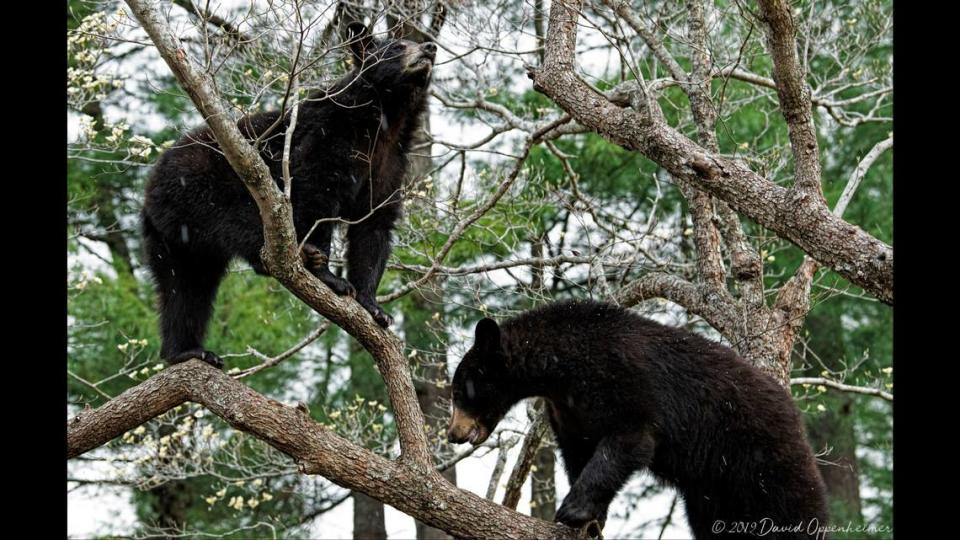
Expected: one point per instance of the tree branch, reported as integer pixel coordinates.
(528, 450)
(719, 312)
(212, 19)
(858, 174)
(417, 491)
(623, 9)
(706, 236)
(794, 94)
(843, 387)
(796, 216)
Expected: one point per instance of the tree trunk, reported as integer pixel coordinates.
(423, 332)
(833, 428)
(543, 489)
(368, 521)
(169, 501)
(368, 513)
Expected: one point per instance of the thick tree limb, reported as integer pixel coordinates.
(719, 311)
(799, 217)
(705, 233)
(418, 491)
(794, 94)
(793, 300)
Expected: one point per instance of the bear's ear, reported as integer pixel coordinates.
(361, 42)
(487, 336)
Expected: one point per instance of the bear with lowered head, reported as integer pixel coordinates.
(348, 158)
(626, 394)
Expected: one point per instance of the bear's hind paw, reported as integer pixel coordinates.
(201, 354)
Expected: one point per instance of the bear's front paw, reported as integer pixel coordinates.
(576, 514)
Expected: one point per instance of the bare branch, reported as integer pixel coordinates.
(624, 10)
(858, 174)
(843, 387)
(212, 19)
(498, 468)
(268, 361)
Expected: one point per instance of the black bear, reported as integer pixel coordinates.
(347, 162)
(624, 394)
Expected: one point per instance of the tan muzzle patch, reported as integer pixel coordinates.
(419, 57)
(465, 428)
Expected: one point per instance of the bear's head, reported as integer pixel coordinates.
(479, 397)
(391, 63)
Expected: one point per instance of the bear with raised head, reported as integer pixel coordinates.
(627, 394)
(347, 162)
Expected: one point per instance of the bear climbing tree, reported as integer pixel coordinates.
(348, 159)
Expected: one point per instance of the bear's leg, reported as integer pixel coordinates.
(186, 285)
(366, 259)
(576, 452)
(614, 460)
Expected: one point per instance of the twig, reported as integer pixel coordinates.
(843, 387)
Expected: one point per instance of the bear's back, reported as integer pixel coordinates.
(592, 327)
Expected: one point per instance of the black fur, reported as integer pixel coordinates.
(625, 393)
(348, 159)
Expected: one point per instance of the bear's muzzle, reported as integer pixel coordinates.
(465, 428)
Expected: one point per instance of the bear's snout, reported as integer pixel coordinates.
(419, 58)
(465, 428)
(429, 50)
